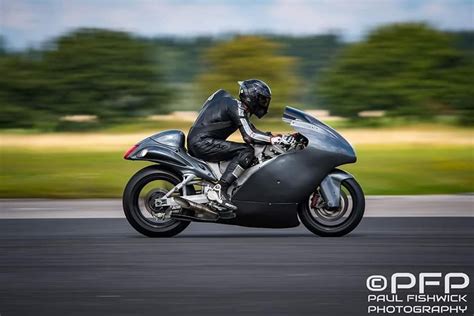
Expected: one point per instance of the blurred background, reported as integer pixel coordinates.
(81, 81)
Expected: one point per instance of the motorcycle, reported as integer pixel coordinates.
(286, 184)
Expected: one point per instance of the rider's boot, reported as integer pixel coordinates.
(219, 194)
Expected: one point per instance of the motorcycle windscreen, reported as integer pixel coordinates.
(292, 114)
(319, 135)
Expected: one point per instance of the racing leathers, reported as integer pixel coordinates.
(220, 116)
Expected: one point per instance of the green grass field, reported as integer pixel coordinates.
(394, 169)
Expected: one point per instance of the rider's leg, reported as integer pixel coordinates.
(235, 168)
(215, 150)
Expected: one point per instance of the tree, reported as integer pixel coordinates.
(405, 69)
(105, 73)
(178, 56)
(89, 71)
(3, 45)
(246, 57)
(21, 89)
(314, 52)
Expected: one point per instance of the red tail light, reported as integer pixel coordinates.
(129, 151)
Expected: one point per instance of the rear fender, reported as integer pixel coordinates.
(330, 187)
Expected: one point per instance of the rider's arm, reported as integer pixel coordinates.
(256, 129)
(249, 133)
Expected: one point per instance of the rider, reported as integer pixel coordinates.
(220, 116)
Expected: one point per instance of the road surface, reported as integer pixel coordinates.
(103, 267)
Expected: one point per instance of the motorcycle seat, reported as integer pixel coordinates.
(173, 138)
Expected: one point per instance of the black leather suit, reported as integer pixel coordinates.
(220, 116)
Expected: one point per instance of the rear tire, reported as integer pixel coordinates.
(131, 204)
(316, 226)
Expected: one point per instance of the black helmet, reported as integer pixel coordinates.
(256, 95)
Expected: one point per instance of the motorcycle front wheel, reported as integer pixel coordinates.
(326, 222)
(146, 186)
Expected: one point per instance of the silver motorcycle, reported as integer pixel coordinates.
(287, 183)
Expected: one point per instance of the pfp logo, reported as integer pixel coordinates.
(407, 293)
(405, 280)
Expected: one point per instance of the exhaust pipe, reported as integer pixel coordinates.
(190, 205)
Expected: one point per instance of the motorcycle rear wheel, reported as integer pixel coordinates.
(335, 223)
(136, 206)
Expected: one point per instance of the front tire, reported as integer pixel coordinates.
(335, 223)
(136, 206)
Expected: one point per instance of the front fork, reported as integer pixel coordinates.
(330, 187)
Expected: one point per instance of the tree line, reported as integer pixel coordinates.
(406, 69)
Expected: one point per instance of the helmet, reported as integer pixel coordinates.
(256, 95)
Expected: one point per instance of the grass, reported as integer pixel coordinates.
(414, 169)
(394, 169)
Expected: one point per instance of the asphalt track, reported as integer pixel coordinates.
(103, 267)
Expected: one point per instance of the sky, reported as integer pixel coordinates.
(25, 23)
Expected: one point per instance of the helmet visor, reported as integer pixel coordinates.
(262, 105)
(263, 101)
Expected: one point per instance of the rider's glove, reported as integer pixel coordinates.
(288, 140)
(276, 140)
(285, 140)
